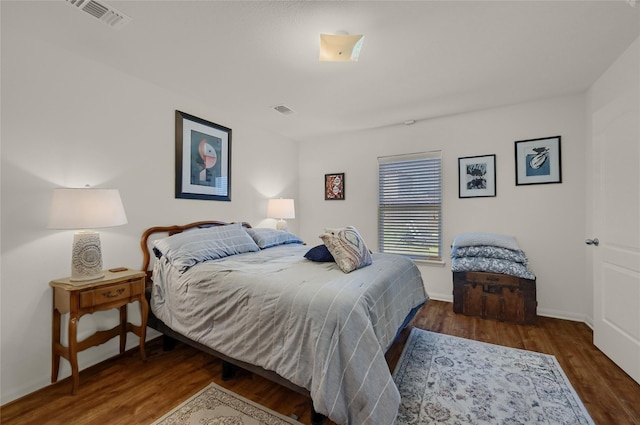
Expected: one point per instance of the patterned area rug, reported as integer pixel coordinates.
(448, 380)
(215, 405)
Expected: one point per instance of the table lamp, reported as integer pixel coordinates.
(86, 209)
(281, 209)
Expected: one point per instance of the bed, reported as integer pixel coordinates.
(307, 325)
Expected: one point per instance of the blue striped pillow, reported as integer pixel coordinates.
(186, 249)
(266, 238)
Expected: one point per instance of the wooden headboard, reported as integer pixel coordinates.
(163, 231)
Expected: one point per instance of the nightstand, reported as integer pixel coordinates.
(114, 290)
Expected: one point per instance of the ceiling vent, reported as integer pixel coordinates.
(283, 109)
(106, 14)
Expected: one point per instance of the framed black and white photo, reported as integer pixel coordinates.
(203, 159)
(538, 161)
(477, 176)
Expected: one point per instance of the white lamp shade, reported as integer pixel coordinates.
(86, 209)
(281, 208)
(340, 47)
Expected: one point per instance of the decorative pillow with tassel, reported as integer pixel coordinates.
(347, 247)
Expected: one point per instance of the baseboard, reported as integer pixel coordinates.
(448, 298)
(574, 317)
(85, 360)
(546, 312)
(23, 390)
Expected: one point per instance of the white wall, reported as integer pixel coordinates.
(621, 78)
(547, 220)
(67, 122)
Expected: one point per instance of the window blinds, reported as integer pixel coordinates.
(409, 205)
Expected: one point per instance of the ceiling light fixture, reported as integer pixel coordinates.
(340, 47)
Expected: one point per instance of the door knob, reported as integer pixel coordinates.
(593, 241)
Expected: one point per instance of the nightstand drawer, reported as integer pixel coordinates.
(105, 295)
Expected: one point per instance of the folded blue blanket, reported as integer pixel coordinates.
(514, 255)
(491, 265)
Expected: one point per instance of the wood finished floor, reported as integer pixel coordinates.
(126, 390)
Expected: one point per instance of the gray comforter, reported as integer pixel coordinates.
(314, 325)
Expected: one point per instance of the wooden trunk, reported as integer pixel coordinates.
(495, 296)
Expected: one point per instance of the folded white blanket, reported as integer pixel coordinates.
(492, 239)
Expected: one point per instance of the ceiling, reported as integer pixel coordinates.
(419, 60)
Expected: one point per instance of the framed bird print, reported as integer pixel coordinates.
(538, 161)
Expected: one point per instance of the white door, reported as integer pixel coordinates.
(616, 266)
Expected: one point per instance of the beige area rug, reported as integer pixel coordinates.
(215, 405)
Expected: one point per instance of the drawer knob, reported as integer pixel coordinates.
(109, 294)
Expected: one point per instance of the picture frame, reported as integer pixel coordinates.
(538, 161)
(334, 186)
(203, 159)
(477, 176)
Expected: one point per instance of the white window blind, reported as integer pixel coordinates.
(409, 205)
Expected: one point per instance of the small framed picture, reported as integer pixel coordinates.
(334, 187)
(477, 176)
(203, 159)
(538, 161)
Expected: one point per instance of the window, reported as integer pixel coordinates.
(410, 205)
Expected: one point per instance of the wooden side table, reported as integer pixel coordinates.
(114, 290)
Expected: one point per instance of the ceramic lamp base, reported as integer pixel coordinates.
(281, 224)
(86, 257)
